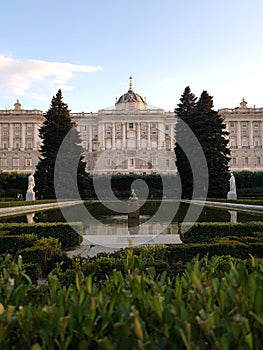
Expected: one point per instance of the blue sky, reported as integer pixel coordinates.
(90, 48)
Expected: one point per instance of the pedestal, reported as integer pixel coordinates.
(30, 196)
(133, 209)
(231, 195)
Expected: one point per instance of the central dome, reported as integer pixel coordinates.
(130, 97)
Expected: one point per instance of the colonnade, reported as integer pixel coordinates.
(156, 136)
(9, 136)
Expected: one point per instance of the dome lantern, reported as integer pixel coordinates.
(130, 99)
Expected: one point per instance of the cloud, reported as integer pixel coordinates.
(19, 76)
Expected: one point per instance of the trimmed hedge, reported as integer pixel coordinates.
(204, 232)
(69, 234)
(171, 258)
(12, 243)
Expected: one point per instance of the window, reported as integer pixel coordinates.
(5, 145)
(130, 125)
(3, 162)
(17, 145)
(153, 125)
(234, 161)
(232, 125)
(29, 145)
(83, 128)
(28, 162)
(244, 124)
(29, 126)
(15, 162)
(167, 162)
(258, 160)
(166, 127)
(246, 160)
(17, 126)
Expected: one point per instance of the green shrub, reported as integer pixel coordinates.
(41, 253)
(11, 243)
(203, 232)
(137, 309)
(69, 234)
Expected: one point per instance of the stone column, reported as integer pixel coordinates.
(123, 135)
(11, 136)
(0, 136)
(23, 136)
(250, 134)
(90, 139)
(172, 137)
(103, 136)
(148, 136)
(239, 135)
(35, 136)
(113, 137)
(138, 136)
(161, 135)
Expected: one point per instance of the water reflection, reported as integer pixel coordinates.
(30, 218)
(121, 225)
(233, 216)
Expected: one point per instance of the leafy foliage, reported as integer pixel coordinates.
(214, 304)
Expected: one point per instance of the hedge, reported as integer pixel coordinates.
(171, 258)
(12, 243)
(203, 232)
(69, 234)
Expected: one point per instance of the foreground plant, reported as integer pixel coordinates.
(206, 307)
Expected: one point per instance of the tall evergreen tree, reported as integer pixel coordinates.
(56, 126)
(212, 136)
(184, 113)
(209, 130)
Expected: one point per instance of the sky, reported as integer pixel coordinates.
(88, 49)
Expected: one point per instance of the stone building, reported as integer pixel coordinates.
(245, 126)
(128, 138)
(19, 140)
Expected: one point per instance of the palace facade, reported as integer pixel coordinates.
(245, 127)
(130, 137)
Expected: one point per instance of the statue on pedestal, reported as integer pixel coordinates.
(30, 194)
(133, 206)
(232, 194)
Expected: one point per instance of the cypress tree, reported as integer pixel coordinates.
(211, 133)
(209, 129)
(56, 126)
(184, 113)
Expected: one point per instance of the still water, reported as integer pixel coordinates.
(155, 217)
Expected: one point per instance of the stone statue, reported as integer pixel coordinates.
(31, 183)
(232, 183)
(30, 194)
(133, 196)
(232, 194)
(133, 206)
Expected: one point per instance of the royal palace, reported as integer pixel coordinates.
(130, 137)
